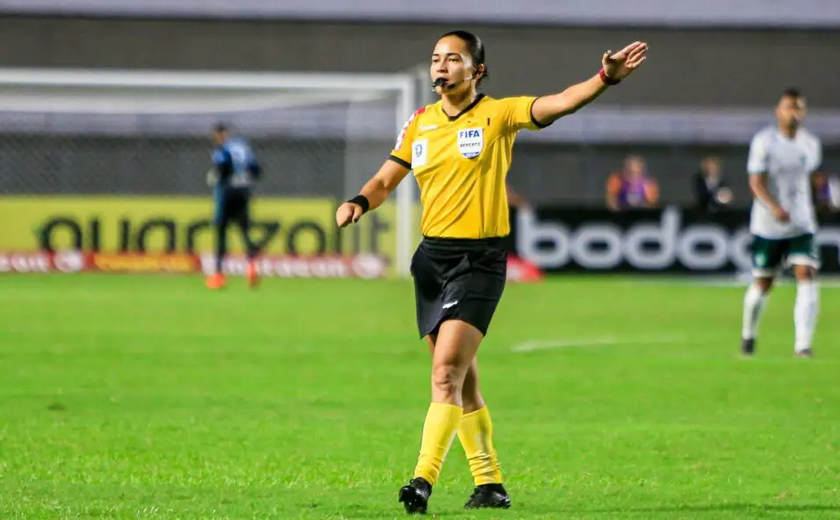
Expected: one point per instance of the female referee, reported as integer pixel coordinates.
(460, 151)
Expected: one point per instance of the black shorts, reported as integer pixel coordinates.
(459, 279)
(232, 205)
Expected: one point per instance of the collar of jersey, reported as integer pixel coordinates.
(465, 110)
(782, 135)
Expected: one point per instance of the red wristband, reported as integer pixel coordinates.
(606, 79)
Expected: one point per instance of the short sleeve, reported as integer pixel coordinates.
(758, 162)
(817, 155)
(221, 156)
(517, 114)
(613, 184)
(402, 148)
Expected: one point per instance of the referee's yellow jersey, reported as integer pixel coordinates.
(461, 163)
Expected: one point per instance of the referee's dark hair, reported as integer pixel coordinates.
(475, 47)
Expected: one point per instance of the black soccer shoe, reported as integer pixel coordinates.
(415, 496)
(491, 496)
(748, 346)
(807, 353)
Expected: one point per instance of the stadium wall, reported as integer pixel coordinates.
(693, 67)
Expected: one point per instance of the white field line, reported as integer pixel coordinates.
(831, 282)
(596, 341)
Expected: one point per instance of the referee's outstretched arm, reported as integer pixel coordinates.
(547, 109)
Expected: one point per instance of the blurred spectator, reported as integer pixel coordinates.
(515, 199)
(519, 269)
(711, 192)
(826, 192)
(632, 187)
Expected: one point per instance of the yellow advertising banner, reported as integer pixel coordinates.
(160, 224)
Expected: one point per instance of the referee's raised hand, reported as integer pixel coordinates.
(619, 65)
(348, 213)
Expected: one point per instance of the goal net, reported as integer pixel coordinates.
(116, 161)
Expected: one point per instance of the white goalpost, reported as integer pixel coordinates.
(326, 133)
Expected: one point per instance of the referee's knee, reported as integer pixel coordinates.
(447, 382)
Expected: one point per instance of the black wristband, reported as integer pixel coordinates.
(362, 201)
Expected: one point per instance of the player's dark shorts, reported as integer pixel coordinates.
(459, 279)
(232, 205)
(771, 254)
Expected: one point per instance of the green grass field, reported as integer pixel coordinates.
(150, 397)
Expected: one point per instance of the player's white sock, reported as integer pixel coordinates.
(805, 312)
(753, 305)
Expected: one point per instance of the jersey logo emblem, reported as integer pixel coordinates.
(470, 142)
(419, 152)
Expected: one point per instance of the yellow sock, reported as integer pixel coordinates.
(442, 422)
(476, 436)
